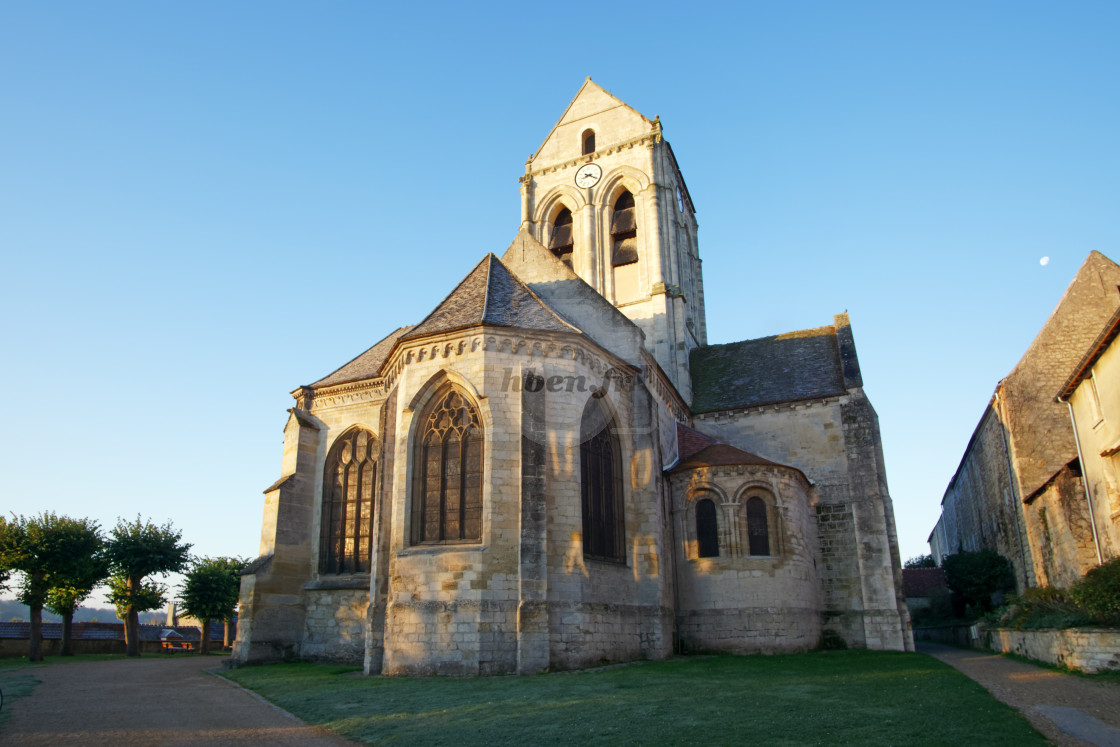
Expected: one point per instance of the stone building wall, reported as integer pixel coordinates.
(834, 441)
(981, 509)
(735, 601)
(1096, 407)
(1034, 511)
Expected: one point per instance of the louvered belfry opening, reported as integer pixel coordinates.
(624, 232)
(758, 531)
(562, 243)
(588, 142)
(707, 529)
(600, 464)
(447, 498)
(349, 480)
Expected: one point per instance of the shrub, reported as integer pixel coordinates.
(920, 561)
(1099, 592)
(1040, 608)
(976, 576)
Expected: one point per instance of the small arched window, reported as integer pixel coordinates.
(562, 243)
(588, 140)
(707, 530)
(348, 485)
(758, 531)
(624, 232)
(447, 482)
(600, 464)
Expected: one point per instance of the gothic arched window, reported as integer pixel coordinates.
(600, 464)
(588, 142)
(447, 483)
(624, 232)
(707, 531)
(758, 531)
(349, 478)
(562, 242)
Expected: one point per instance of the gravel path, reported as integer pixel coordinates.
(149, 701)
(1068, 710)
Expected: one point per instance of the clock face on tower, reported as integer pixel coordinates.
(588, 175)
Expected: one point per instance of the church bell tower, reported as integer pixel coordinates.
(605, 195)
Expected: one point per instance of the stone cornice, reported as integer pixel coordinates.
(800, 404)
(658, 383)
(534, 344)
(370, 390)
(651, 137)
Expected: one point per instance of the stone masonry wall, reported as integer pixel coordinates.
(980, 508)
(336, 622)
(737, 602)
(1060, 533)
(1088, 649)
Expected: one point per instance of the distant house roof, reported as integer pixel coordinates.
(770, 370)
(366, 365)
(490, 295)
(922, 582)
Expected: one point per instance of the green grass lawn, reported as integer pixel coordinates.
(838, 697)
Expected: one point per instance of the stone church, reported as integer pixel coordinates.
(554, 469)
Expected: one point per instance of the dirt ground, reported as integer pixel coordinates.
(1067, 709)
(150, 701)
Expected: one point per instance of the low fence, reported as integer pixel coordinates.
(1088, 649)
(14, 647)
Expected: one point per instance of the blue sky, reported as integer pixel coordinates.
(205, 205)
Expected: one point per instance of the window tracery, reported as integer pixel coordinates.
(447, 486)
(349, 478)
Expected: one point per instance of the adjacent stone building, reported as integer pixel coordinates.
(554, 469)
(1019, 489)
(1092, 393)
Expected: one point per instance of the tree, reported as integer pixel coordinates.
(78, 569)
(210, 593)
(135, 551)
(49, 550)
(976, 576)
(921, 561)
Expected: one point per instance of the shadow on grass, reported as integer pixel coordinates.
(842, 697)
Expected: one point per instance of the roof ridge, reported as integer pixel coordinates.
(538, 299)
(459, 285)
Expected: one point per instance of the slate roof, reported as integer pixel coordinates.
(366, 365)
(1096, 350)
(490, 295)
(781, 368)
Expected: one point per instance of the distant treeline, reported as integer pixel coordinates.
(11, 610)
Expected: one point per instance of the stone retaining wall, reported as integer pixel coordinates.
(1087, 649)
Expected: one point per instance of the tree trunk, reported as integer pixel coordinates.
(227, 634)
(132, 631)
(67, 627)
(204, 642)
(35, 644)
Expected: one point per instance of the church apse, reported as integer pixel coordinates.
(553, 469)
